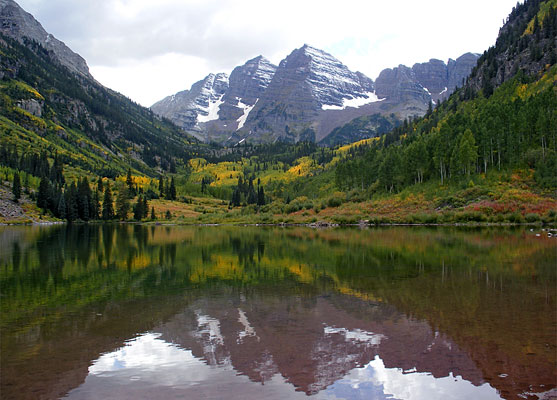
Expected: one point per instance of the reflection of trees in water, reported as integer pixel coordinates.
(16, 255)
(246, 248)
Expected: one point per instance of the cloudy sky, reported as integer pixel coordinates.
(148, 49)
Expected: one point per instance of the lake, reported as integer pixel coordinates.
(170, 312)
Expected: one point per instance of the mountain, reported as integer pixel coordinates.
(310, 92)
(193, 107)
(19, 24)
(50, 103)
(219, 105)
(501, 121)
(307, 97)
(525, 43)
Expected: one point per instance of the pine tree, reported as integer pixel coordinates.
(44, 192)
(138, 209)
(108, 207)
(172, 190)
(71, 202)
(145, 207)
(96, 207)
(260, 196)
(153, 215)
(161, 186)
(129, 183)
(62, 207)
(122, 203)
(16, 187)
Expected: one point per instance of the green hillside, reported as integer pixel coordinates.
(486, 154)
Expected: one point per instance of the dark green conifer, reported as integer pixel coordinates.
(108, 207)
(16, 187)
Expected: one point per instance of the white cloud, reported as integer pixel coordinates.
(128, 43)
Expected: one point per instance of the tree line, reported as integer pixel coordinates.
(503, 131)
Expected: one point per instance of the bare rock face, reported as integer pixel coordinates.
(400, 85)
(459, 69)
(432, 75)
(32, 106)
(216, 107)
(433, 80)
(17, 24)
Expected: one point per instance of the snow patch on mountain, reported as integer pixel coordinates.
(426, 90)
(212, 111)
(355, 102)
(247, 109)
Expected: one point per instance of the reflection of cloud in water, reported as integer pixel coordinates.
(374, 381)
(147, 367)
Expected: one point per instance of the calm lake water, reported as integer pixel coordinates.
(136, 312)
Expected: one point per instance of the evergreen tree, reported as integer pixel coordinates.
(161, 186)
(129, 183)
(62, 207)
(139, 210)
(145, 207)
(96, 205)
(43, 194)
(122, 203)
(84, 199)
(260, 196)
(252, 196)
(236, 198)
(108, 207)
(71, 202)
(153, 215)
(16, 187)
(172, 190)
(100, 185)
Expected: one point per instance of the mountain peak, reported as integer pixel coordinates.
(17, 24)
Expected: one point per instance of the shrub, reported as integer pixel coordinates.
(335, 200)
(423, 218)
(292, 207)
(532, 217)
(515, 218)
(470, 216)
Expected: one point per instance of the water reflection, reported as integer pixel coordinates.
(159, 312)
(148, 367)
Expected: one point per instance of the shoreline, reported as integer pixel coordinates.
(550, 227)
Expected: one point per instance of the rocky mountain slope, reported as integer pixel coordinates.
(49, 102)
(19, 24)
(527, 43)
(307, 96)
(219, 104)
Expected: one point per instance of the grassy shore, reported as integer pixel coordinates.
(505, 198)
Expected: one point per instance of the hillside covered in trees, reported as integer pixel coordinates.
(486, 154)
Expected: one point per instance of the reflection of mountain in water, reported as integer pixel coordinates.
(312, 343)
(295, 306)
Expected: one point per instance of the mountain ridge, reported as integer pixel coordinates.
(310, 93)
